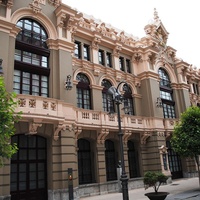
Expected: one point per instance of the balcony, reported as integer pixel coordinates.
(48, 110)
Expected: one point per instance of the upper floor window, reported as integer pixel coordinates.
(195, 88)
(128, 101)
(82, 49)
(31, 73)
(121, 64)
(32, 33)
(105, 58)
(164, 82)
(108, 104)
(109, 59)
(128, 66)
(83, 91)
(166, 94)
(101, 57)
(77, 51)
(124, 64)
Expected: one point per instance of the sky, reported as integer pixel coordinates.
(181, 18)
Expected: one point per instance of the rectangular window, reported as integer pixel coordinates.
(28, 83)
(128, 66)
(108, 59)
(31, 58)
(169, 111)
(121, 64)
(86, 52)
(77, 51)
(101, 57)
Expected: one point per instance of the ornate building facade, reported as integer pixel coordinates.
(61, 63)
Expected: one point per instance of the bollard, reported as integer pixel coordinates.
(119, 173)
(70, 184)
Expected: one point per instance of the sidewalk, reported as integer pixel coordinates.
(187, 188)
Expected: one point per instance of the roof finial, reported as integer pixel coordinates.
(156, 18)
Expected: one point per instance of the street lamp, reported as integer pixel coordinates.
(118, 98)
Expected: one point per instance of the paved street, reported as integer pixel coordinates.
(179, 189)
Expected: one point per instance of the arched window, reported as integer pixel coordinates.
(108, 104)
(31, 70)
(128, 101)
(84, 162)
(83, 91)
(133, 160)
(111, 165)
(166, 94)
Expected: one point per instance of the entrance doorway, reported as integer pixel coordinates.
(174, 162)
(29, 169)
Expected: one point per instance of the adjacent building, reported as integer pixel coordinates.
(61, 63)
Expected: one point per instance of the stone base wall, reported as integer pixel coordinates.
(94, 189)
(7, 197)
(190, 174)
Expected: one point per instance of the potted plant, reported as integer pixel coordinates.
(155, 179)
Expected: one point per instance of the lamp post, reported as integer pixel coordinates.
(118, 98)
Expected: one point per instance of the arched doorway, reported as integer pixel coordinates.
(111, 165)
(29, 169)
(174, 162)
(133, 160)
(85, 169)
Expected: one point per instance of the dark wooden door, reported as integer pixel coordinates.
(28, 169)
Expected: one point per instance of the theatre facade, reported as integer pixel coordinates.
(60, 63)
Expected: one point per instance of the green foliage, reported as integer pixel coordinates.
(7, 119)
(186, 135)
(154, 179)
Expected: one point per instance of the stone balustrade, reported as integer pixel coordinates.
(53, 110)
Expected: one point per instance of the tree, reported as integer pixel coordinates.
(186, 136)
(7, 119)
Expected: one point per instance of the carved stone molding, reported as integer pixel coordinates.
(77, 131)
(32, 103)
(55, 3)
(160, 133)
(35, 6)
(95, 43)
(168, 134)
(126, 136)
(33, 126)
(163, 149)
(117, 50)
(137, 57)
(58, 128)
(8, 3)
(102, 135)
(144, 136)
(22, 102)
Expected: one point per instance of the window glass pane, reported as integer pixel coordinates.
(17, 55)
(26, 57)
(41, 154)
(35, 59)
